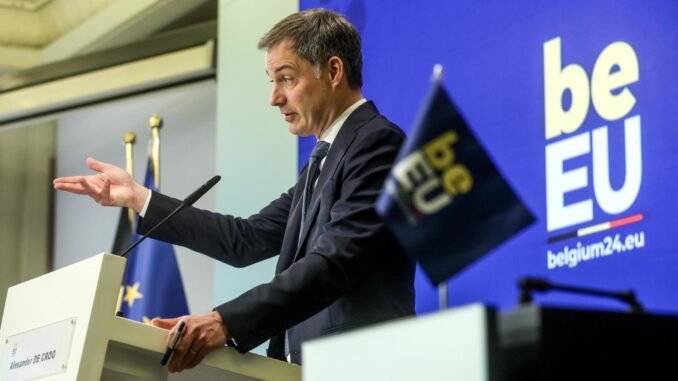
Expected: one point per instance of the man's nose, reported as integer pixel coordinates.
(277, 98)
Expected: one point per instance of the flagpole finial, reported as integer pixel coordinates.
(155, 121)
(437, 73)
(129, 137)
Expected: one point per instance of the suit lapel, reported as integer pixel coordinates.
(342, 142)
(289, 246)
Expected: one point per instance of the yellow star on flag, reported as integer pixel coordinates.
(132, 293)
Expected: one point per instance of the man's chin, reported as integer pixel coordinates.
(296, 130)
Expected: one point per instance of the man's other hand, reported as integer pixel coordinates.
(202, 335)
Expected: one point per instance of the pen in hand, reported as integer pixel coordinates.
(173, 343)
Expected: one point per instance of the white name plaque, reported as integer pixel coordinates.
(37, 353)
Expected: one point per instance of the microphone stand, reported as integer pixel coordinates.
(188, 201)
(175, 211)
(529, 284)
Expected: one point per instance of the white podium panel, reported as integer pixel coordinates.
(62, 326)
(449, 345)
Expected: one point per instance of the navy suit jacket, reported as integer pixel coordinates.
(348, 270)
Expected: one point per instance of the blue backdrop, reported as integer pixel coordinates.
(611, 162)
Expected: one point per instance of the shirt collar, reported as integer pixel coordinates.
(331, 133)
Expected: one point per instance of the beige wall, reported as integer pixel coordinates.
(256, 155)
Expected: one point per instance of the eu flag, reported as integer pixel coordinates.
(445, 200)
(152, 284)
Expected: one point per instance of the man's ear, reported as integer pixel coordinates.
(335, 69)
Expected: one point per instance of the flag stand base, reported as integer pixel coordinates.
(442, 296)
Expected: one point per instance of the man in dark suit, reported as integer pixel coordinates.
(338, 267)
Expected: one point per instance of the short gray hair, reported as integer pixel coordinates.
(317, 35)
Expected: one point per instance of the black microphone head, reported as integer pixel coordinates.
(193, 197)
(534, 283)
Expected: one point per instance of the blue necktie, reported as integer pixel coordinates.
(317, 155)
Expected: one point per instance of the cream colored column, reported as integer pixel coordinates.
(26, 157)
(256, 155)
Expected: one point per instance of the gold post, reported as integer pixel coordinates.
(155, 123)
(130, 138)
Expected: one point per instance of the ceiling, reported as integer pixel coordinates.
(36, 32)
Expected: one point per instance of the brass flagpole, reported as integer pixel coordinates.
(130, 139)
(155, 123)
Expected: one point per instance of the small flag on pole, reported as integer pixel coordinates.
(445, 200)
(152, 284)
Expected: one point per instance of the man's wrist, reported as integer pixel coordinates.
(228, 339)
(141, 198)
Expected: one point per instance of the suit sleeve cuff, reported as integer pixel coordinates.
(142, 213)
(231, 341)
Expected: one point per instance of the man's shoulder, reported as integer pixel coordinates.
(381, 128)
(384, 123)
(370, 121)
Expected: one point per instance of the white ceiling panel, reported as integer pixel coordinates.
(36, 32)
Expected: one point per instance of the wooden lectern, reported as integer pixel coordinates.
(62, 326)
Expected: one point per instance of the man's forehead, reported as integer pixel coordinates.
(277, 65)
(282, 56)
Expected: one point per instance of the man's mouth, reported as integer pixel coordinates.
(289, 116)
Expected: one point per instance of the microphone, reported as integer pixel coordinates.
(529, 284)
(188, 201)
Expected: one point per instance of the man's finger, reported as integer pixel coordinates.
(166, 323)
(170, 324)
(177, 363)
(72, 188)
(189, 355)
(97, 165)
(197, 358)
(93, 193)
(106, 192)
(68, 179)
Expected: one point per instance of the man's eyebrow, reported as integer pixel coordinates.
(280, 68)
(283, 67)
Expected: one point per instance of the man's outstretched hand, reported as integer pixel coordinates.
(111, 186)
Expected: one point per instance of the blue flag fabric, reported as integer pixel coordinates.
(152, 284)
(445, 200)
